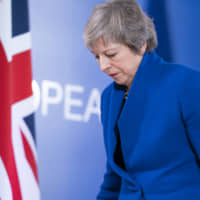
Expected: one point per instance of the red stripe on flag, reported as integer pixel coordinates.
(21, 76)
(29, 156)
(6, 148)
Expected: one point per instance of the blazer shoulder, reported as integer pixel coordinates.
(171, 79)
(179, 68)
(191, 80)
(178, 73)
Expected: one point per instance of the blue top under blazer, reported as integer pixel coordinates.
(159, 128)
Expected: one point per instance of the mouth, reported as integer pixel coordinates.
(113, 75)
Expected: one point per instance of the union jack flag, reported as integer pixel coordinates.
(18, 157)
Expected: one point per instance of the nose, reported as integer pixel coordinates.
(104, 63)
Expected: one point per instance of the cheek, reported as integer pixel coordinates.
(119, 65)
(124, 67)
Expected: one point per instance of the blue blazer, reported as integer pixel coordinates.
(159, 128)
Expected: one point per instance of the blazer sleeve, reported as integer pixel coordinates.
(110, 187)
(190, 105)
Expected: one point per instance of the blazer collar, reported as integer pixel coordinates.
(132, 115)
(134, 108)
(116, 99)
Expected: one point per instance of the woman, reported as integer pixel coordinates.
(150, 113)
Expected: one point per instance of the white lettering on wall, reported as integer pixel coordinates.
(75, 108)
(36, 94)
(70, 102)
(46, 98)
(93, 105)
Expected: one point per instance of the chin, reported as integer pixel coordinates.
(120, 83)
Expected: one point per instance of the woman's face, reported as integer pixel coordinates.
(118, 61)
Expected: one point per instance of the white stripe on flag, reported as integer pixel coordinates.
(28, 184)
(5, 189)
(21, 43)
(6, 27)
(29, 138)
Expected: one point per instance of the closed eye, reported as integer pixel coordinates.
(108, 55)
(111, 55)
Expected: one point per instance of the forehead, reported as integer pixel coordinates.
(102, 46)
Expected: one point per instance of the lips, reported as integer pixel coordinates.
(113, 75)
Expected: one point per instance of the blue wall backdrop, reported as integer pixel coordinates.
(68, 84)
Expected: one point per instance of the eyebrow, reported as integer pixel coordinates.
(109, 49)
(112, 48)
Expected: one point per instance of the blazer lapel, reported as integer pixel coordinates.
(117, 96)
(116, 100)
(131, 118)
(132, 115)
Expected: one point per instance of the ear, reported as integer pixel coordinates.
(143, 48)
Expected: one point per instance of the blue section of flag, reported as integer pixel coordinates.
(20, 23)
(30, 122)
